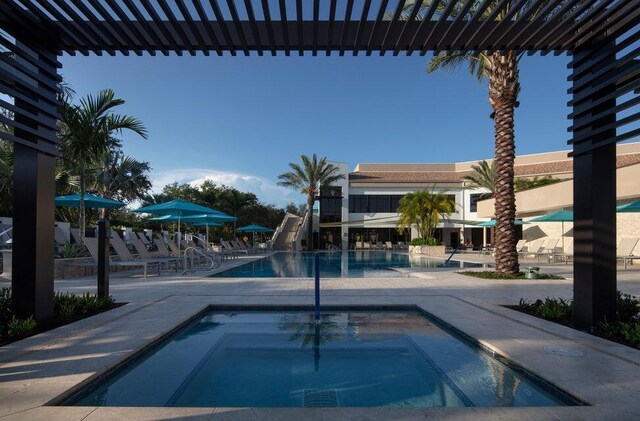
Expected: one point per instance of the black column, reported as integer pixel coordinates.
(33, 233)
(594, 197)
(34, 89)
(103, 258)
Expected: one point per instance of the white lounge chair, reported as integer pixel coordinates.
(548, 249)
(624, 251)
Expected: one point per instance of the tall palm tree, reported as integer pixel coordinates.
(310, 178)
(87, 135)
(121, 178)
(500, 68)
(424, 209)
(483, 176)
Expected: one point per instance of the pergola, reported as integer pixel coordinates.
(602, 36)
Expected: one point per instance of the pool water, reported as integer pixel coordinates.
(345, 264)
(284, 359)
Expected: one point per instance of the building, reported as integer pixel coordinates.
(363, 206)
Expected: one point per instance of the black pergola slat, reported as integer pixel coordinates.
(299, 27)
(173, 22)
(254, 28)
(345, 26)
(124, 39)
(267, 17)
(225, 29)
(376, 24)
(363, 19)
(236, 23)
(332, 19)
(215, 44)
(284, 27)
(200, 42)
(394, 20)
(158, 22)
(316, 17)
(136, 37)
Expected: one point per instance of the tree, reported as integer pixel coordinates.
(482, 176)
(531, 183)
(500, 68)
(87, 135)
(310, 178)
(299, 209)
(122, 178)
(424, 209)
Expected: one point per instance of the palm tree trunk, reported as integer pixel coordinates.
(503, 93)
(310, 202)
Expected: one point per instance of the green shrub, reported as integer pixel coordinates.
(69, 251)
(491, 274)
(423, 242)
(628, 307)
(66, 305)
(555, 309)
(631, 333)
(18, 328)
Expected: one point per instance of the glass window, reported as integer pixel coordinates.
(358, 203)
(379, 203)
(473, 202)
(395, 202)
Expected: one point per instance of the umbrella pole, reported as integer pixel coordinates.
(563, 236)
(179, 236)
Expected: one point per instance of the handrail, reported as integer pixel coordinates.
(189, 253)
(454, 252)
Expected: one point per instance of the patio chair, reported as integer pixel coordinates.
(144, 253)
(548, 249)
(143, 237)
(359, 245)
(520, 245)
(75, 234)
(60, 238)
(367, 246)
(565, 255)
(127, 259)
(163, 250)
(624, 251)
(92, 245)
(388, 245)
(533, 248)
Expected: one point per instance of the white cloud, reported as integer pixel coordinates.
(265, 190)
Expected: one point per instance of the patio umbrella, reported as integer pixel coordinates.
(177, 208)
(253, 229)
(207, 224)
(90, 201)
(557, 216)
(629, 207)
(492, 223)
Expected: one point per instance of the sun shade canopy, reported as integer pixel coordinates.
(90, 202)
(319, 26)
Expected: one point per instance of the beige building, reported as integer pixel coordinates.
(363, 207)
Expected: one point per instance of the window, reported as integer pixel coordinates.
(379, 203)
(473, 202)
(358, 203)
(395, 202)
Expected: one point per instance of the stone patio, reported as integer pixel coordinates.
(37, 370)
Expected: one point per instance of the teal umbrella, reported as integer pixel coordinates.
(492, 223)
(207, 224)
(177, 208)
(253, 229)
(557, 216)
(90, 201)
(629, 207)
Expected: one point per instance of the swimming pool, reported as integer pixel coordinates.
(345, 264)
(354, 358)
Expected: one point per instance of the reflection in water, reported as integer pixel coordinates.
(506, 384)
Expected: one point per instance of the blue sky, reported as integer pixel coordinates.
(240, 120)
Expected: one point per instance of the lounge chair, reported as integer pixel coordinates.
(144, 253)
(127, 259)
(624, 251)
(92, 245)
(548, 249)
(532, 248)
(520, 245)
(565, 255)
(60, 237)
(388, 245)
(359, 245)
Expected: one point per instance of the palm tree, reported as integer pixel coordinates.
(121, 178)
(87, 135)
(424, 209)
(310, 178)
(501, 70)
(482, 176)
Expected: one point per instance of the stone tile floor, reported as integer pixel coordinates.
(37, 370)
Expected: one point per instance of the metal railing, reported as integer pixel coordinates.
(195, 259)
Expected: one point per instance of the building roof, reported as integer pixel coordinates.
(553, 168)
